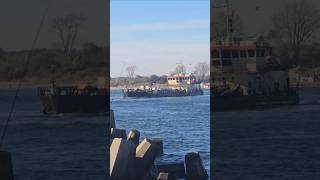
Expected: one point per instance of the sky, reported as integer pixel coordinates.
(156, 35)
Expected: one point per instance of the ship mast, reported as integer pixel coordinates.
(229, 20)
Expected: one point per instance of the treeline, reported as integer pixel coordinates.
(144, 80)
(87, 62)
(138, 80)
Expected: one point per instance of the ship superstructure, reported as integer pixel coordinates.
(246, 73)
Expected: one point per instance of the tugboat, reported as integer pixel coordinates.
(73, 100)
(180, 84)
(246, 74)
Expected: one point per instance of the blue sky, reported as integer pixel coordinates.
(154, 35)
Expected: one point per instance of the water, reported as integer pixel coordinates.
(52, 147)
(278, 143)
(182, 122)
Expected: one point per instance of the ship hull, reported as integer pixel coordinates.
(222, 103)
(153, 94)
(68, 104)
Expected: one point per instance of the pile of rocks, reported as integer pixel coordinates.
(131, 159)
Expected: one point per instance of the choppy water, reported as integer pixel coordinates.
(270, 144)
(52, 147)
(182, 122)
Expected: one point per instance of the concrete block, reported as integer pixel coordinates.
(112, 119)
(122, 160)
(194, 167)
(118, 133)
(166, 176)
(175, 168)
(134, 136)
(6, 169)
(145, 155)
(158, 142)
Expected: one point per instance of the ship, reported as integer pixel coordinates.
(73, 99)
(178, 85)
(245, 73)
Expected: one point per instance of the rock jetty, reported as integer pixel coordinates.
(132, 159)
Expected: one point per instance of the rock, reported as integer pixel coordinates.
(159, 143)
(134, 136)
(145, 155)
(111, 119)
(166, 176)
(175, 168)
(6, 169)
(122, 160)
(194, 167)
(118, 133)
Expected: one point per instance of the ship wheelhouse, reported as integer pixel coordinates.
(240, 56)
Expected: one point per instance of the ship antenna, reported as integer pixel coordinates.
(229, 19)
(25, 70)
(229, 22)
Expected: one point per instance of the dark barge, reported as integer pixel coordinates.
(178, 85)
(73, 100)
(161, 93)
(236, 102)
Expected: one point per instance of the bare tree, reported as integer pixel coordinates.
(131, 71)
(67, 29)
(180, 68)
(296, 22)
(201, 70)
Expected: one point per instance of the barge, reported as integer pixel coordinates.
(73, 100)
(181, 84)
(245, 73)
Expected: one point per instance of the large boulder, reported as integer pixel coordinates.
(174, 168)
(118, 133)
(194, 167)
(122, 160)
(166, 176)
(112, 122)
(158, 142)
(146, 153)
(6, 170)
(134, 136)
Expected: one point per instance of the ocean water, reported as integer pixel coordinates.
(268, 144)
(52, 147)
(183, 123)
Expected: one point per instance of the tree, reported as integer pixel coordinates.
(154, 78)
(201, 70)
(296, 22)
(67, 29)
(180, 68)
(131, 71)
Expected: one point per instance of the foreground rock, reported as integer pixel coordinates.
(177, 169)
(134, 136)
(166, 176)
(122, 160)
(6, 170)
(194, 167)
(146, 153)
(118, 133)
(159, 143)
